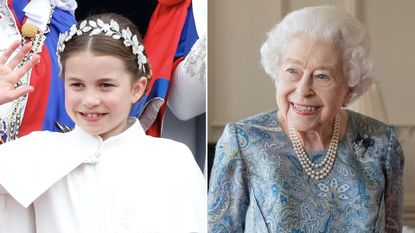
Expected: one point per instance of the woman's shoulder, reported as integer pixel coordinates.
(367, 125)
(251, 132)
(265, 120)
(369, 131)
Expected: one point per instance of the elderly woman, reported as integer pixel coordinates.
(310, 166)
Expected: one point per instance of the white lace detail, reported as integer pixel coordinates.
(195, 61)
(67, 5)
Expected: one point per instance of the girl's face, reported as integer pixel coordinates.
(99, 92)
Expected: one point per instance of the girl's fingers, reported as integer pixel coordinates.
(9, 52)
(21, 91)
(20, 55)
(26, 67)
(16, 93)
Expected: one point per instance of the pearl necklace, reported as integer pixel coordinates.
(320, 170)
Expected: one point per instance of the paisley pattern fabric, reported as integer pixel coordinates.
(258, 185)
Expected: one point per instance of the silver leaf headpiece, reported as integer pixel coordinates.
(112, 29)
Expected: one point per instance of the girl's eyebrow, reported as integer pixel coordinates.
(99, 80)
(106, 79)
(73, 79)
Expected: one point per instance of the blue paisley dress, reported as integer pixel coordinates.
(258, 185)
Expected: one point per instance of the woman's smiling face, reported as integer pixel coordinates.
(311, 87)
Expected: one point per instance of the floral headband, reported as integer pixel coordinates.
(113, 30)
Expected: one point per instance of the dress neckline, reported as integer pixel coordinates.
(313, 154)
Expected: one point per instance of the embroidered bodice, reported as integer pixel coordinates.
(258, 185)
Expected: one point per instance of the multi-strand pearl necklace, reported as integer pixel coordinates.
(320, 170)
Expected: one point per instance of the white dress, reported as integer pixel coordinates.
(128, 183)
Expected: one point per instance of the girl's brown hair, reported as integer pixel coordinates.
(107, 45)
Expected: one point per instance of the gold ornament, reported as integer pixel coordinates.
(29, 30)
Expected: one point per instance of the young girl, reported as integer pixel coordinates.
(105, 175)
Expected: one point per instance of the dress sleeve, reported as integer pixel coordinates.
(228, 197)
(188, 89)
(394, 185)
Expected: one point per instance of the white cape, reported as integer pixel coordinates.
(128, 183)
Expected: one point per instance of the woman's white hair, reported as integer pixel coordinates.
(330, 24)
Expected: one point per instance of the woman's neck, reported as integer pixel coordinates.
(318, 139)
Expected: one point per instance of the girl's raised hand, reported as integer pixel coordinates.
(9, 76)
